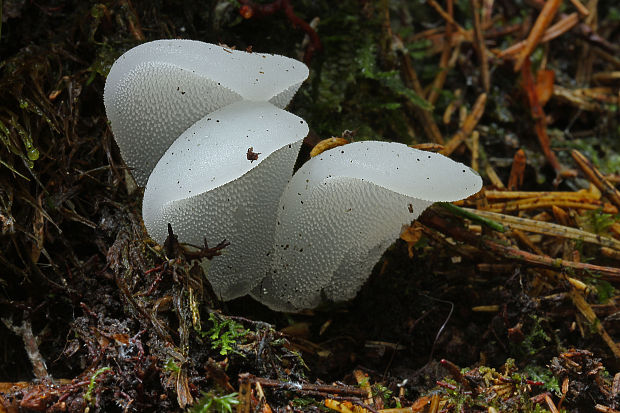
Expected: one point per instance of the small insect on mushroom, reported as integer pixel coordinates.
(252, 156)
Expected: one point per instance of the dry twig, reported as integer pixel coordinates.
(468, 126)
(596, 177)
(542, 22)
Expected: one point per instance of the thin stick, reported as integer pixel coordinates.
(468, 126)
(440, 79)
(473, 215)
(526, 205)
(583, 10)
(31, 346)
(596, 177)
(580, 195)
(448, 18)
(607, 273)
(475, 151)
(539, 115)
(305, 387)
(585, 309)
(425, 116)
(493, 177)
(542, 22)
(547, 228)
(480, 47)
(551, 33)
(519, 161)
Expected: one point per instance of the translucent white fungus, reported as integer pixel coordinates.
(343, 208)
(205, 126)
(158, 89)
(206, 187)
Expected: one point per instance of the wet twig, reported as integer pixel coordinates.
(324, 389)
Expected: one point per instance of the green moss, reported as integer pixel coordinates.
(544, 375)
(224, 334)
(599, 222)
(210, 402)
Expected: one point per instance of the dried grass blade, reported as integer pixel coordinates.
(580, 195)
(547, 228)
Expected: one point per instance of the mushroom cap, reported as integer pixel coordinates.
(207, 188)
(343, 208)
(158, 89)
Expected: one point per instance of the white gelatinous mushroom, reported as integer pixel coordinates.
(158, 89)
(188, 114)
(206, 187)
(204, 125)
(343, 208)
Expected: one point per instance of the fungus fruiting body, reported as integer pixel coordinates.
(157, 90)
(343, 208)
(204, 185)
(204, 128)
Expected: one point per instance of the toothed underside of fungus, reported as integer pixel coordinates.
(157, 90)
(205, 186)
(206, 123)
(342, 209)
